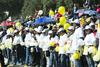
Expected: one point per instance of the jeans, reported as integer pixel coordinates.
(8, 54)
(67, 61)
(78, 63)
(90, 61)
(53, 59)
(28, 59)
(62, 60)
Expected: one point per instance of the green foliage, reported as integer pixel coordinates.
(27, 8)
(12, 6)
(68, 3)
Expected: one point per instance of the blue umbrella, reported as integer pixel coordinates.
(80, 11)
(43, 20)
(90, 12)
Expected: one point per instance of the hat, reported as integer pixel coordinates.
(40, 28)
(44, 30)
(50, 32)
(77, 21)
(60, 30)
(26, 28)
(71, 28)
(87, 27)
(15, 31)
(91, 24)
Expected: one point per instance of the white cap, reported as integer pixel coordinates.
(35, 29)
(87, 27)
(26, 28)
(40, 28)
(91, 24)
(71, 28)
(44, 30)
(15, 31)
(77, 21)
(50, 32)
(61, 29)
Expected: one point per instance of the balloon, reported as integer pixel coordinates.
(62, 20)
(57, 48)
(61, 10)
(18, 24)
(82, 22)
(76, 55)
(51, 13)
(52, 44)
(11, 30)
(66, 26)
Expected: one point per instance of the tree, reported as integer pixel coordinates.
(12, 6)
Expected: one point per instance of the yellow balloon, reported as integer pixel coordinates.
(82, 22)
(61, 10)
(18, 24)
(66, 26)
(51, 13)
(62, 20)
(52, 43)
(57, 48)
(76, 55)
(11, 30)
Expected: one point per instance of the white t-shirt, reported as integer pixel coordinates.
(28, 39)
(17, 40)
(90, 39)
(63, 39)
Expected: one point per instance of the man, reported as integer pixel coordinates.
(28, 38)
(17, 49)
(62, 42)
(53, 40)
(76, 39)
(8, 44)
(90, 41)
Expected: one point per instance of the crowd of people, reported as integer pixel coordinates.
(72, 41)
